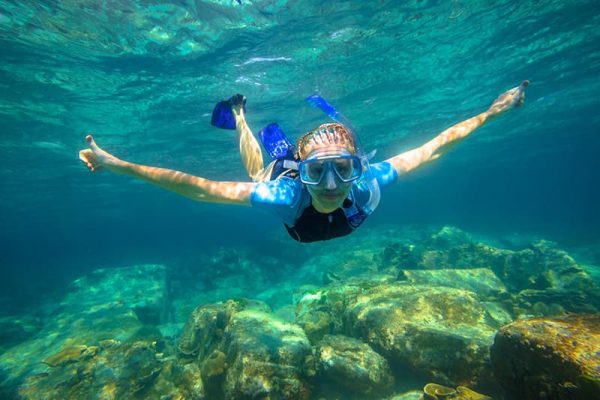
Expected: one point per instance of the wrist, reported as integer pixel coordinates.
(114, 164)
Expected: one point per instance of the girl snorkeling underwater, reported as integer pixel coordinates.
(322, 188)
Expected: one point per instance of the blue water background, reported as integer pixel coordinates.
(143, 77)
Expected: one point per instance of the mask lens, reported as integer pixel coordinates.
(314, 170)
(343, 167)
(346, 168)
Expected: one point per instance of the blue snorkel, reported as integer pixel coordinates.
(367, 178)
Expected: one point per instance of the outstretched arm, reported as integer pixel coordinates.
(194, 187)
(410, 160)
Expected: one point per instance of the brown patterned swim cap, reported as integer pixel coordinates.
(325, 136)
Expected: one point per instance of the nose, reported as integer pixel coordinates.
(330, 180)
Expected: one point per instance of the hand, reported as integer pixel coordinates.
(95, 158)
(514, 97)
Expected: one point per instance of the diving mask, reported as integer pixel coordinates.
(347, 167)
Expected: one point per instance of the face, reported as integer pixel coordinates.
(330, 193)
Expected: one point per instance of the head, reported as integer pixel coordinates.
(328, 165)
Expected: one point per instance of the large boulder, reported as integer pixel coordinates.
(482, 281)
(265, 358)
(321, 311)
(205, 328)
(353, 366)
(543, 266)
(549, 358)
(245, 352)
(442, 333)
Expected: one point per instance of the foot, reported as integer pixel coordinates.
(514, 97)
(95, 158)
(238, 106)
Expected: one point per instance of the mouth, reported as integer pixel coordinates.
(330, 195)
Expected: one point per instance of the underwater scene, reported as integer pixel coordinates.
(422, 222)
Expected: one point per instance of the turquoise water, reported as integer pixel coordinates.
(143, 78)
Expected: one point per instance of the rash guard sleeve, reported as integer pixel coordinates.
(384, 173)
(283, 197)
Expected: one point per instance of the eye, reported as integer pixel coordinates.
(343, 167)
(315, 170)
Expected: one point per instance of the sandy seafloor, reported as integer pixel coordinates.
(480, 270)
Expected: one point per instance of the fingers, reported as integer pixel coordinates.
(84, 156)
(91, 142)
(524, 84)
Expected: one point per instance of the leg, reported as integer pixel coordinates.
(249, 147)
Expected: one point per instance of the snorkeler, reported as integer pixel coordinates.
(322, 188)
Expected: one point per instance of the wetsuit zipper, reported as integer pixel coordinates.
(329, 221)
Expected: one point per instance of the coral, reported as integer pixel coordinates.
(433, 391)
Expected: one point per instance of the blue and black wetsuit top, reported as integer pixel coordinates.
(289, 199)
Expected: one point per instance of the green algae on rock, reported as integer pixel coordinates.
(431, 329)
(246, 352)
(205, 328)
(554, 358)
(321, 312)
(482, 281)
(412, 395)
(103, 305)
(352, 366)
(266, 358)
(113, 370)
(70, 354)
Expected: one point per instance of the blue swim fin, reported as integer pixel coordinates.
(276, 143)
(222, 116)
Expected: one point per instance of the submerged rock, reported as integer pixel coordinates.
(543, 266)
(246, 352)
(265, 358)
(113, 370)
(320, 312)
(550, 358)
(412, 395)
(479, 280)
(205, 328)
(105, 304)
(442, 333)
(352, 365)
